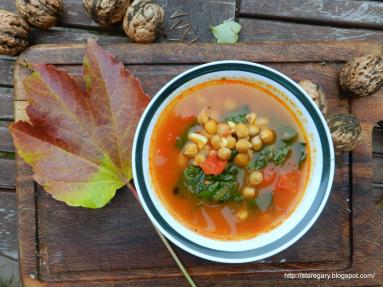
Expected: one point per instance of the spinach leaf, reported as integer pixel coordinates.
(262, 158)
(215, 188)
(183, 138)
(289, 135)
(301, 151)
(238, 116)
(281, 154)
(264, 200)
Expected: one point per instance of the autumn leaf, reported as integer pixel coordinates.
(79, 143)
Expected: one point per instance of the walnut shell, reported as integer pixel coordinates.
(345, 131)
(317, 94)
(40, 13)
(13, 33)
(143, 20)
(362, 76)
(106, 12)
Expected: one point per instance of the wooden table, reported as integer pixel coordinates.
(261, 20)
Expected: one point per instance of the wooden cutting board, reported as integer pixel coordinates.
(117, 246)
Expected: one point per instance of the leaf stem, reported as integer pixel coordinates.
(166, 243)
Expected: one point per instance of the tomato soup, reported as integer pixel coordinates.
(229, 159)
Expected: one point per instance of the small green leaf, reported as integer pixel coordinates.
(289, 135)
(234, 26)
(227, 32)
(238, 116)
(281, 154)
(262, 158)
(301, 153)
(264, 200)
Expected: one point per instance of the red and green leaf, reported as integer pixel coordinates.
(79, 143)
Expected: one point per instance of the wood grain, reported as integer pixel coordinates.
(6, 143)
(8, 236)
(6, 106)
(6, 72)
(254, 29)
(7, 173)
(345, 13)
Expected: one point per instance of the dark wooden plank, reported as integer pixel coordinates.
(378, 168)
(7, 173)
(6, 143)
(8, 235)
(6, 72)
(152, 76)
(6, 104)
(200, 53)
(135, 254)
(57, 35)
(367, 235)
(202, 13)
(273, 30)
(377, 140)
(346, 13)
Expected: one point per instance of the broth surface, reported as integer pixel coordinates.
(167, 163)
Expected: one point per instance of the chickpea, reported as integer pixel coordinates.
(215, 141)
(199, 139)
(242, 145)
(241, 130)
(253, 130)
(199, 158)
(223, 129)
(190, 149)
(267, 136)
(248, 192)
(241, 215)
(250, 118)
(203, 117)
(255, 178)
(230, 142)
(211, 127)
(256, 143)
(224, 153)
(231, 125)
(242, 159)
(262, 122)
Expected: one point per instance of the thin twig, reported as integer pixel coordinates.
(178, 13)
(176, 259)
(194, 40)
(174, 14)
(166, 243)
(182, 26)
(185, 33)
(175, 24)
(174, 39)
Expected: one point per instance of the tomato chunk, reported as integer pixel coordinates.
(269, 175)
(213, 164)
(288, 181)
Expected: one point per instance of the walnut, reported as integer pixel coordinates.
(345, 131)
(316, 93)
(43, 14)
(143, 20)
(362, 76)
(106, 12)
(13, 33)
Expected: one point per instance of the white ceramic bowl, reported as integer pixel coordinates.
(308, 209)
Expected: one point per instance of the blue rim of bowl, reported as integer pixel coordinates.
(234, 256)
